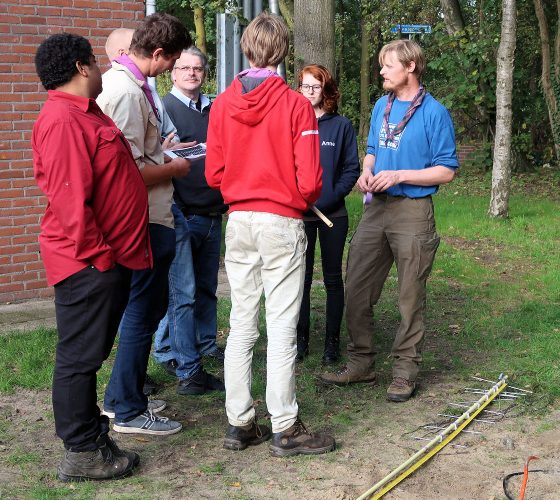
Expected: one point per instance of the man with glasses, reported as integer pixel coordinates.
(189, 330)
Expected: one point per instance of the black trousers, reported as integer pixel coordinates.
(89, 306)
(332, 242)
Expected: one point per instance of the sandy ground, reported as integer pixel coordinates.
(194, 465)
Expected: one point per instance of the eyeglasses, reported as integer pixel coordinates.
(196, 69)
(309, 88)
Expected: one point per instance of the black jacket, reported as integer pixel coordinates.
(339, 159)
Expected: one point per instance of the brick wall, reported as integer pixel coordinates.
(23, 25)
(465, 151)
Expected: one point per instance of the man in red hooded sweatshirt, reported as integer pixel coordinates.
(263, 155)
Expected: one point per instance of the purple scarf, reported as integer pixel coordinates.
(128, 63)
(414, 105)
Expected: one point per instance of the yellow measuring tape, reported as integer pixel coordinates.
(439, 446)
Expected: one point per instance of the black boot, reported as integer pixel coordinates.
(302, 343)
(332, 343)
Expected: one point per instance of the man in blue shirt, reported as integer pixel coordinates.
(410, 152)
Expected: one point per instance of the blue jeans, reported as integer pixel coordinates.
(146, 306)
(189, 329)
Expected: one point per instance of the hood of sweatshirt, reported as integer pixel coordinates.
(250, 108)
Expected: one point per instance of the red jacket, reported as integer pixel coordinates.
(263, 149)
(97, 211)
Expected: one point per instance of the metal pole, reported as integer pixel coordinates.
(151, 9)
(236, 47)
(275, 9)
(247, 14)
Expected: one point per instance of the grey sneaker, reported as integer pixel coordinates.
(93, 465)
(154, 405)
(148, 423)
(400, 390)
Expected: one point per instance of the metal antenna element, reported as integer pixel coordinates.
(435, 445)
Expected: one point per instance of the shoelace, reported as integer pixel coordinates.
(400, 382)
(152, 417)
(300, 428)
(258, 429)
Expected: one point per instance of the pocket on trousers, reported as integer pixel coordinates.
(427, 249)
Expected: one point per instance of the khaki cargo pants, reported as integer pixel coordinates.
(392, 229)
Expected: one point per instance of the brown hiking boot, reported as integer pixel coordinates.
(400, 390)
(345, 377)
(93, 465)
(239, 437)
(297, 440)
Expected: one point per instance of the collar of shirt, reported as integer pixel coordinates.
(128, 63)
(84, 103)
(204, 101)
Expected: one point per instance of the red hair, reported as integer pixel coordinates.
(330, 88)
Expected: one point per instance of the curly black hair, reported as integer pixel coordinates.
(160, 30)
(56, 57)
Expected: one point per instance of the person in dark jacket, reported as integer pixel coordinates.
(341, 169)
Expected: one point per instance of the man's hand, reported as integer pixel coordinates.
(384, 180)
(364, 181)
(167, 141)
(180, 166)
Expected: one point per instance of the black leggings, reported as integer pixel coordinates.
(332, 242)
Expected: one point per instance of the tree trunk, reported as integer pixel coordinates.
(199, 27)
(550, 97)
(501, 170)
(340, 48)
(287, 11)
(314, 33)
(452, 16)
(365, 105)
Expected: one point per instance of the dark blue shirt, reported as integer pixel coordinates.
(339, 159)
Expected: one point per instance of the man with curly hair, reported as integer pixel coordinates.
(93, 235)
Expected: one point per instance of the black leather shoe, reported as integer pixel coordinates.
(238, 438)
(330, 358)
(199, 383)
(150, 387)
(217, 354)
(300, 356)
(170, 367)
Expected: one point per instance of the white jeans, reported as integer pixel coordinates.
(264, 252)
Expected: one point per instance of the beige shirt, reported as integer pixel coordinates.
(125, 102)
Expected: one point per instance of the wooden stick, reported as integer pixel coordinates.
(321, 216)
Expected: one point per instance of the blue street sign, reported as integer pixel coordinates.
(411, 28)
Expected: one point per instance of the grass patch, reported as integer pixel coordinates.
(493, 306)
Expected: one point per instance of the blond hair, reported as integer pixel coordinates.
(407, 51)
(265, 40)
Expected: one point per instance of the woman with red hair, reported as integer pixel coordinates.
(339, 159)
